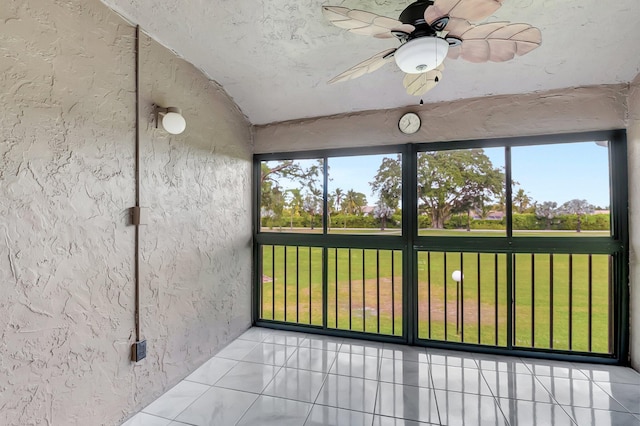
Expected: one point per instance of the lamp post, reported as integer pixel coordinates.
(457, 276)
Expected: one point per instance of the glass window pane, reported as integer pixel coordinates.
(291, 196)
(461, 193)
(365, 194)
(561, 190)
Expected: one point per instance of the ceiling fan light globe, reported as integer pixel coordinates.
(421, 55)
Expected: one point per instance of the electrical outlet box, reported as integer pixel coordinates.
(139, 215)
(139, 351)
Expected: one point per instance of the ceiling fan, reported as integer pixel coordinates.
(430, 31)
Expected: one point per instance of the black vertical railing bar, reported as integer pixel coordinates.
(479, 304)
(364, 303)
(350, 293)
(551, 301)
(461, 297)
(533, 300)
(285, 301)
(378, 287)
(590, 296)
(429, 291)
(325, 257)
(610, 295)
(511, 294)
(298, 286)
(260, 287)
(310, 285)
(393, 292)
(495, 296)
(273, 282)
(337, 304)
(446, 319)
(571, 302)
(325, 287)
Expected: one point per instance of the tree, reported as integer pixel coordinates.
(269, 214)
(382, 212)
(353, 203)
(313, 206)
(338, 195)
(468, 204)
(334, 203)
(521, 201)
(451, 180)
(271, 194)
(388, 182)
(277, 204)
(579, 208)
(547, 211)
(295, 203)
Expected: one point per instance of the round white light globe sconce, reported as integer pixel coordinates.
(172, 120)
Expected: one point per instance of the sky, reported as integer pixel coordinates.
(559, 172)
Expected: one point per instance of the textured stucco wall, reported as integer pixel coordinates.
(66, 250)
(559, 111)
(633, 140)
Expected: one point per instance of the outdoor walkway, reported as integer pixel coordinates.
(268, 377)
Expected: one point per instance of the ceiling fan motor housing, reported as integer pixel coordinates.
(414, 13)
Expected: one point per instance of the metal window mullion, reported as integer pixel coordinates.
(409, 234)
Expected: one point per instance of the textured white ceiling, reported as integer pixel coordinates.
(274, 57)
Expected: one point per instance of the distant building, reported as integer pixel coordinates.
(492, 215)
(368, 210)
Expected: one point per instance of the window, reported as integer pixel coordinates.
(461, 192)
(365, 195)
(470, 242)
(561, 190)
(291, 195)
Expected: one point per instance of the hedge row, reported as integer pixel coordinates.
(336, 221)
(526, 221)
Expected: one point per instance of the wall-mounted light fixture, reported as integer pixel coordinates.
(172, 119)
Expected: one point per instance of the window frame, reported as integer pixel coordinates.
(411, 243)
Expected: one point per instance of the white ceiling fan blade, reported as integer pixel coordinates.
(469, 10)
(373, 63)
(497, 42)
(364, 23)
(419, 84)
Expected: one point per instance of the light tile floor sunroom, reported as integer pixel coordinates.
(270, 377)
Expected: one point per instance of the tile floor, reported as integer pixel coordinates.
(269, 377)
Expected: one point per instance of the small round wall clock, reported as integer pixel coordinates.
(409, 123)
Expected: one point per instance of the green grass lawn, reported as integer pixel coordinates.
(369, 298)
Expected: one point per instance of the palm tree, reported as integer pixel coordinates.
(353, 203)
(334, 204)
(338, 195)
(521, 201)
